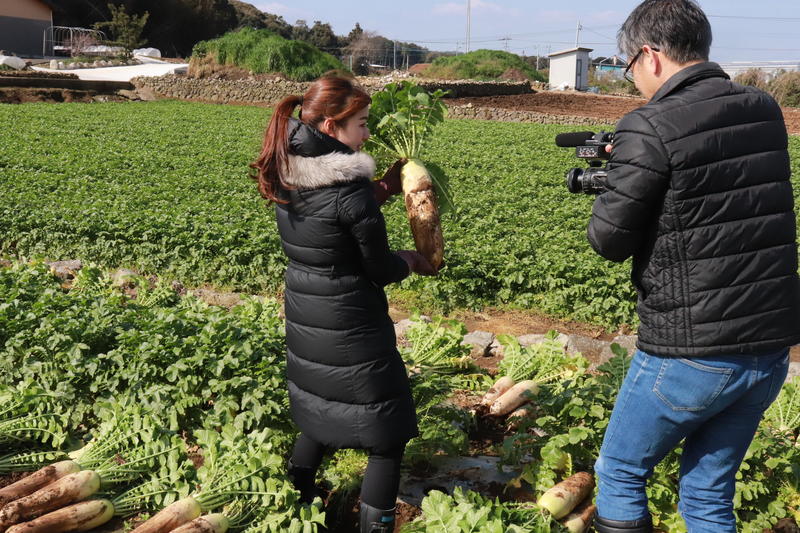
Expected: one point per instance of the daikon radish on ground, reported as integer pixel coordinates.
(518, 415)
(67, 490)
(562, 498)
(171, 516)
(514, 397)
(210, 523)
(39, 479)
(579, 520)
(530, 367)
(81, 516)
(499, 387)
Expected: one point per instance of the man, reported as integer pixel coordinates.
(699, 195)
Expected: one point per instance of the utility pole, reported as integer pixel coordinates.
(537, 57)
(469, 24)
(394, 55)
(578, 34)
(506, 39)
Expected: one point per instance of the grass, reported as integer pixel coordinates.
(480, 65)
(263, 52)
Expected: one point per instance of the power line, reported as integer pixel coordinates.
(757, 49)
(780, 19)
(597, 33)
(491, 38)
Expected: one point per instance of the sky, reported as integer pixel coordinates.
(764, 30)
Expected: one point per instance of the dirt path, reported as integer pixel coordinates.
(514, 322)
(569, 103)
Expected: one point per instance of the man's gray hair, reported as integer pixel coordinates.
(678, 28)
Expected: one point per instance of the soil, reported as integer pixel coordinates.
(571, 103)
(24, 95)
(38, 74)
(567, 103)
(488, 363)
(418, 69)
(488, 431)
(513, 74)
(517, 322)
(405, 513)
(792, 117)
(343, 518)
(12, 478)
(195, 455)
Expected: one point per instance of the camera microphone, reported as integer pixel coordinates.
(573, 139)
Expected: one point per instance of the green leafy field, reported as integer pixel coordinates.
(163, 188)
(140, 372)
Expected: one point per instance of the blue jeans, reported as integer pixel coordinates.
(715, 403)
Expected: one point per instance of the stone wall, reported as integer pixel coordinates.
(271, 91)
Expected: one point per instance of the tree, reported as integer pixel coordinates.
(354, 35)
(322, 36)
(300, 31)
(249, 16)
(126, 30)
(369, 48)
(276, 24)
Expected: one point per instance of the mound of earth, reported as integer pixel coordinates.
(207, 68)
(513, 74)
(418, 69)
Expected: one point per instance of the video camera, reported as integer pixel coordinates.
(591, 147)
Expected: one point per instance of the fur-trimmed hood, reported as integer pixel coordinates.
(327, 170)
(318, 160)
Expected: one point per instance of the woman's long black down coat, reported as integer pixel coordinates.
(348, 386)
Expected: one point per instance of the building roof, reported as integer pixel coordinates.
(49, 3)
(570, 51)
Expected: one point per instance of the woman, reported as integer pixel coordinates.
(348, 386)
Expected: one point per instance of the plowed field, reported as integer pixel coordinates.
(604, 107)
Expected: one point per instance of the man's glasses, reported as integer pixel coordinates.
(628, 75)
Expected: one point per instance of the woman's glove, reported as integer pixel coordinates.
(390, 184)
(417, 263)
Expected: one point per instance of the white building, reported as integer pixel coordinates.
(570, 68)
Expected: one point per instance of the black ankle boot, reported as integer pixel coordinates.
(376, 520)
(303, 477)
(602, 525)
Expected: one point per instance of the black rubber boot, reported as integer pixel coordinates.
(375, 520)
(303, 477)
(602, 525)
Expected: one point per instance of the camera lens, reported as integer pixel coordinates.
(574, 178)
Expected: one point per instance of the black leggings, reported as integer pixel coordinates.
(381, 480)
